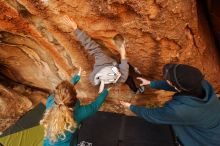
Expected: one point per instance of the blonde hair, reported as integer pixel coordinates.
(59, 118)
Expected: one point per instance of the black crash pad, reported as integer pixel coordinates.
(29, 120)
(110, 129)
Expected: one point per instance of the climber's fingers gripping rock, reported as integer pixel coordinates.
(123, 52)
(120, 45)
(125, 104)
(144, 81)
(80, 71)
(68, 21)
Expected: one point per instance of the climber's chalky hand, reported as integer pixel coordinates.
(80, 71)
(125, 104)
(144, 81)
(120, 45)
(68, 21)
(123, 51)
(101, 86)
(110, 88)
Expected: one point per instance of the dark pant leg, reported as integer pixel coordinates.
(130, 82)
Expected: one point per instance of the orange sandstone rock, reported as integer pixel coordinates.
(43, 51)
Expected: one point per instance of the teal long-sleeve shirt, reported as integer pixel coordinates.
(80, 113)
(196, 122)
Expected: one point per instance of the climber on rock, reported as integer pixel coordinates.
(64, 114)
(106, 70)
(193, 111)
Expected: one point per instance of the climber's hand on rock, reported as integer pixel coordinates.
(80, 70)
(68, 21)
(125, 104)
(120, 45)
(144, 81)
(123, 52)
(110, 88)
(101, 86)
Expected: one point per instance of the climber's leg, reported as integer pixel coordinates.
(93, 49)
(130, 82)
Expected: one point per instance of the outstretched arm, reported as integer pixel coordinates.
(85, 111)
(86, 41)
(162, 115)
(124, 70)
(160, 84)
(69, 22)
(81, 36)
(50, 101)
(76, 78)
(123, 66)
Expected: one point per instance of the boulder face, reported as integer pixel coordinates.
(13, 105)
(15, 100)
(41, 51)
(214, 14)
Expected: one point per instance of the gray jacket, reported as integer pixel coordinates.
(101, 59)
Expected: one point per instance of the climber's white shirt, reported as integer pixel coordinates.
(108, 74)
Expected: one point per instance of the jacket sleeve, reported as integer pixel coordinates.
(86, 41)
(124, 70)
(162, 115)
(162, 85)
(75, 79)
(88, 110)
(50, 101)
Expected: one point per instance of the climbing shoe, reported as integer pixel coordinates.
(140, 90)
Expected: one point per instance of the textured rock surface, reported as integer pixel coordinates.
(42, 51)
(12, 107)
(214, 13)
(15, 100)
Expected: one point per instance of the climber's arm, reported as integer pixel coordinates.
(75, 79)
(87, 42)
(162, 85)
(123, 66)
(82, 36)
(70, 22)
(124, 70)
(50, 101)
(88, 110)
